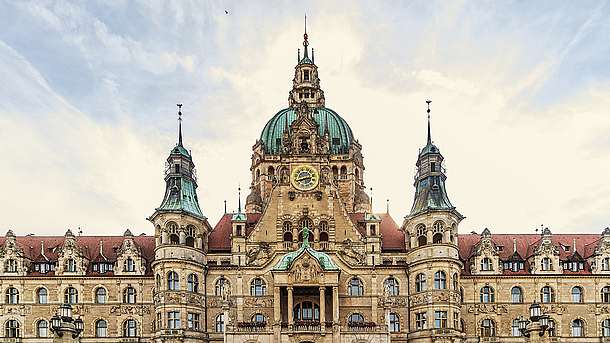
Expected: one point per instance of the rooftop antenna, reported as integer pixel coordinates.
(80, 231)
(179, 124)
(225, 206)
(387, 206)
(429, 138)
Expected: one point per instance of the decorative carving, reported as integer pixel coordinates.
(257, 302)
(18, 310)
(193, 298)
(304, 270)
(392, 302)
(488, 308)
(133, 310)
(348, 251)
(555, 308)
(258, 256)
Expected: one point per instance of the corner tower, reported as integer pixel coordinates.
(432, 251)
(181, 232)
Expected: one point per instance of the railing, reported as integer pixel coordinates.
(323, 245)
(306, 325)
(362, 326)
(288, 245)
(251, 327)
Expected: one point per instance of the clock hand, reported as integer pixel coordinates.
(302, 178)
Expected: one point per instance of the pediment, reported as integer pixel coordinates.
(305, 269)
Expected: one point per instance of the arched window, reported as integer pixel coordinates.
(218, 288)
(12, 328)
(174, 239)
(70, 265)
(173, 281)
(305, 222)
(42, 295)
(129, 265)
(486, 264)
(488, 328)
(158, 279)
(42, 329)
(343, 172)
(12, 295)
(258, 287)
(547, 264)
(606, 294)
(420, 283)
(130, 328)
(516, 295)
(323, 237)
(191, 232)
(335, 172)
(353, 319)
(101, 328)
(392, 284)
(394, 323)
(440, 280)
(10, 266)
(422, 238)
(258, 320)
(100, 295)
(547, 295)
(576, 294)
(306, 311)
(287, 236)
(437, 229)
(70, 295)
(270, 172)
(487, 294)
(355, 287)
(515, 329)
(129, 295)
(193, 283)
(220, 324)
(606, 328)
(606, 263)
(577, 328)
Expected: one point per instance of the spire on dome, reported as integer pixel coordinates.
(179, 124)
(429, 137)
(239, 198)
(305, 59)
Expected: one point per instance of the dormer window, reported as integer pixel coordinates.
(70, 265)
(11, 266)
(305, 76)
(546, 263)
(606, 263)
(130, 265)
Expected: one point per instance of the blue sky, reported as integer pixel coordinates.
(520, 95)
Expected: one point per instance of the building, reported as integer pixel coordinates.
(305, 260)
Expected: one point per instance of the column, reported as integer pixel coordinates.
(322, 308)
(335, 304)
(447, 236)
(277, 312)
(290, 308)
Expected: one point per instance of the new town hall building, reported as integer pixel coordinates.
(305, 260)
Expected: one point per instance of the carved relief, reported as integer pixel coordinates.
(304, 271)
(133, 310)
(258, 256)
(351, 255)
(488, 308)
(257, 302)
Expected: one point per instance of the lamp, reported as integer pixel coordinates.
(523, 325)
(79, 326)
(534, 311)
(65, 312)
(544, 323)
(56, 324)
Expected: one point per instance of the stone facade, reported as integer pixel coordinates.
(306, 261)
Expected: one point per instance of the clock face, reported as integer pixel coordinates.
(304, 178)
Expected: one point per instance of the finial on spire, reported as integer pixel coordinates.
(239, 198)
(179, 124)
(225, 207)
(387, 206)
(429, 138)
(305, 42)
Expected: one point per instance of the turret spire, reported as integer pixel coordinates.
(305, 42)
(239, 198)
(179, 124)
(429, 138)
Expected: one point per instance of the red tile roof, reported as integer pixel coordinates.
(220, 239)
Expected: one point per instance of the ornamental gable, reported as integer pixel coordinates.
(12, 257)
(70, 257)
(129, 257)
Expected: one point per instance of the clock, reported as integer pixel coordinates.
(304, 178)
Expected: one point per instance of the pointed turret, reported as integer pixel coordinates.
(430, 192)
(180, 179)
(306, 84)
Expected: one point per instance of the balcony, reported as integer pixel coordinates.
(323, 245)
(251, 327)
(288, 246)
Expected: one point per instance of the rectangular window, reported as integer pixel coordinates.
(420, 321)
(193, 321)
(159, 321)
(336, 141)
(173, 320)
(306, 95)
(440, 319)
(433, 167)
(278, 141)
(456, 321)
(306, 75)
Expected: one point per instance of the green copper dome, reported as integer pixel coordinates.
(340, 134)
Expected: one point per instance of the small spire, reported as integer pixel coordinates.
(239, 198)
(305, 42)
(225, 207)
(429, 138)
(514, 245)
(179, 124)
(312, 58)
(372, 201)
(387, 206)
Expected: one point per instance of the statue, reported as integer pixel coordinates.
(387, 291)
(226, 291)
(305, 235)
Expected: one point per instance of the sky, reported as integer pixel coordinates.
(520, 95)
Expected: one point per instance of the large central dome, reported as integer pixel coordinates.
(340, 134)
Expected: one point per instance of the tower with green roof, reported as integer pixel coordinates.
(431, 238)
(181, 232)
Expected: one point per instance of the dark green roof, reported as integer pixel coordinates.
(180, 150)
(429, 149)
(337, 127)
(323, 259)
(305, 60)
(430, 196)
(182, 198)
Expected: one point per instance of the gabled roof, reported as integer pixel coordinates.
(392, 238)
(220, 238)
